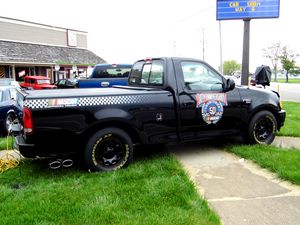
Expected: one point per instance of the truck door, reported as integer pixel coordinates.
(205, 109)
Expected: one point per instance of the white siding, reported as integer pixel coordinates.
(38, 34)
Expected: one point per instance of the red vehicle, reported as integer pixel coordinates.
(37, 83)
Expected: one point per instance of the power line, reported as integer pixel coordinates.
(193, 15)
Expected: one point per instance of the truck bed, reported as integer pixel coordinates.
(89, 92)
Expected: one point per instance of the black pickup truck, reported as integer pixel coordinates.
(168, 100)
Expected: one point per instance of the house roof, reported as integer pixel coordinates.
(16, 52)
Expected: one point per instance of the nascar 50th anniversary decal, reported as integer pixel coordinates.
(61, 102)
(212, 106)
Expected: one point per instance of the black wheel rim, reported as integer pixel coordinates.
(110, 152)
(264, 129)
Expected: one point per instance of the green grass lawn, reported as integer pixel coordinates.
(292, 122)
(152, 190)
(291, 81)
(284, 162)
(6, 143)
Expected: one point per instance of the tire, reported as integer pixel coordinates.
(7, 124)
(262, 128)
(108, 149)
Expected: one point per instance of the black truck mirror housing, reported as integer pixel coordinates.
(229, 85)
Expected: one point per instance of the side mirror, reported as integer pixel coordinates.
(230, 85)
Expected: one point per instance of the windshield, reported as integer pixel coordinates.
(43, 81)
(5, 82)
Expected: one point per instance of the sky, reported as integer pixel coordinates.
(123, 31)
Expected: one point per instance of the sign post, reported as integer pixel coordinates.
(247, 10)
(246, 53)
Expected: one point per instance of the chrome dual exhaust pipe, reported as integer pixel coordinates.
(60, 163)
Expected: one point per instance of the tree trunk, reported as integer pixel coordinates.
(287, 77)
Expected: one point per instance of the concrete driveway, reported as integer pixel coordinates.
(239, 191)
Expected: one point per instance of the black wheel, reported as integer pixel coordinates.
(108, 149)
(8, 124)
(262, 128)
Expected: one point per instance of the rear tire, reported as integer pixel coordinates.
(109, 149)
(262, 128)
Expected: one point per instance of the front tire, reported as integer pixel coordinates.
(262, 128)
(9, 120)
(109, 149)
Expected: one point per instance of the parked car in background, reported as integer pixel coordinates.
(37, 83)
(67, 83)
(107, 75)
(9, 82)
(8, 108)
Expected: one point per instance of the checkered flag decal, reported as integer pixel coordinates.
(92, 101)
(110, 100)
(36, 103)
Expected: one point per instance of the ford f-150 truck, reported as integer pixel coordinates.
(106, 75)
(167, 100)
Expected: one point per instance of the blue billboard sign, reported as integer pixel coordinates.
(243, 9)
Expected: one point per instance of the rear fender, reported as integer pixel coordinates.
(111, 113)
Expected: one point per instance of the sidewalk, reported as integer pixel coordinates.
(287, 142)
(240, 191)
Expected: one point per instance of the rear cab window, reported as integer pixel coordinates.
(148, 73)
(111, 71)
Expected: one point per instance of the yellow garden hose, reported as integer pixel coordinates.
(10, 159)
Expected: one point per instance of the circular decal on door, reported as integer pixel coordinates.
(212, 111)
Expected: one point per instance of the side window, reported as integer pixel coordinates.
(31, 81)
(13, 94)
(62, 82)
(147, 73)
(157, 73)
(136, 74)
(198, 76)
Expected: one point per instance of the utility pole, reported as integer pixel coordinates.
(221, 51)
(203, 45)
(174, 48)
(246, 47)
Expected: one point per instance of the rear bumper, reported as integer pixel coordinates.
(27, 150)
(281, 118)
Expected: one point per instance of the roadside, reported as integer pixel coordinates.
(287, 91)
(239, 190)
(287, 142)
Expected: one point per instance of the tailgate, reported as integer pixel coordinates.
(102, 83)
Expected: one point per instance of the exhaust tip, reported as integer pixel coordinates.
(55, 164)
(67, 163)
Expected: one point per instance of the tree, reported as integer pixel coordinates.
(288, 62)
(230, 66)
(273, 53)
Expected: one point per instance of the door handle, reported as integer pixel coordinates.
(188, 104)
(104, 84)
